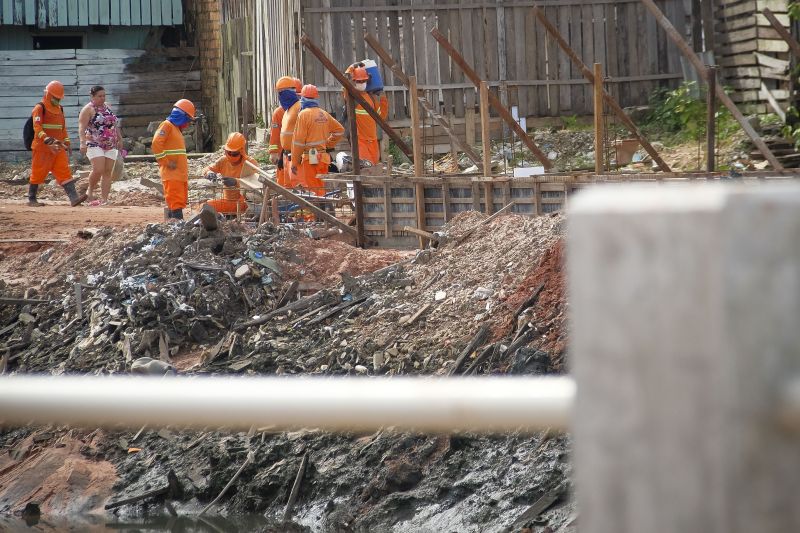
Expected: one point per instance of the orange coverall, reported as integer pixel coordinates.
(315, 128)
(287, 134)
(44, 160)
(275, 145)
(170, 151)
(231, 196)
(368, 146)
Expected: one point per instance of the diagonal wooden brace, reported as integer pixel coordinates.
(587, 73)
(389, 61)
(679, 41)
(341, 78)
(459, 60)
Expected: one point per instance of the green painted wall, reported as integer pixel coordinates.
(125, 37)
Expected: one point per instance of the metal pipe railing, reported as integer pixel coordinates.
(491, 404)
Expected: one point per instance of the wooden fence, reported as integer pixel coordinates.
(141, 86)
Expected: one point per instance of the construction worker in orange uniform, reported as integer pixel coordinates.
(368, 146)
(51, 146)
(315, 131)
(276, 155)
(290, 102)
(169, 150)
(229, 169)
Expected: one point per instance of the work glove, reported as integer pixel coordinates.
(53, 144)
(229, 182)
(212, 176)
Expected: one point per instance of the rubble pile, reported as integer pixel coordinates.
(489, 299)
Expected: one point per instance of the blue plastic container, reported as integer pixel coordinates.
(375, 82)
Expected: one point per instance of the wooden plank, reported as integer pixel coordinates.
(485, 137)
(61, 13)
(145, 11)
(41, 14)
(19, 13)
(177, 12)
(30, 12)
(564, 67)
(114, 13)
(94, 12)
(104, 12)
(467, 50)
(387, 210)
(791, 42)
(135, 12)
(166, 13)
(577, 99)
(416, 132)
(8, 12)
(72, 13)
(155, 11)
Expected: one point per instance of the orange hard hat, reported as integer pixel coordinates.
(298, 85)
(309, 91)
(235, 143)
(186, 106)
(360, 74)
(56, 89)
(284, 82)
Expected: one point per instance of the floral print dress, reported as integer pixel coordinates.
(102, 129)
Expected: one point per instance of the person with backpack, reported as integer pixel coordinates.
(50, 146)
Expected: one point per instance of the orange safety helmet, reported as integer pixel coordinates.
(360, 74)
(285, 82)
(55, 89)
(298, 85)
(235, 143)
(309, 91)
(186, 106)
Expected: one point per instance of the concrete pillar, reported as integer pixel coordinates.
(685, 305)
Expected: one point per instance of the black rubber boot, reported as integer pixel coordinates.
(72, 194)
(33, 190)
(177, 214)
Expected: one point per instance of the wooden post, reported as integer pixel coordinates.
(680, 358)
(341, 78)
(485, 135)
(598, 119)
(612, 104)
(679, 41)
(711, 117)
(358, 187)
(469, 126)
(389, 61)
(419, 162)
(276, 213)
(262, 216)
(470, 73)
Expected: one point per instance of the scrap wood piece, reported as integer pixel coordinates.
(479, 338)
(493, 100)
(529, 302)
(299, 305)
(484, 355)
(287, 513)
(5, 300)
(341, 307)
(589, 75)
(418, 314)
(291, 292)
(286, 193)
(541, 505)
(503, 211)
(341, 78)
(773, 103)
(782, 31)
(687, 51)
(174, 489)
(421, 233)
(250, 458)
(389, 61)
(147, 182)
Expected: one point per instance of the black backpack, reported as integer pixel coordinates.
(27, 130)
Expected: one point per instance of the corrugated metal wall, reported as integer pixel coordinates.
(64, 13)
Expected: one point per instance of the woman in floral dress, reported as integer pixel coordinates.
(100, 139)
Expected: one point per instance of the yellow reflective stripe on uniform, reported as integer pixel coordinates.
(42, 134)
(51, 126)
(361, 112)
(169, 152)
(273, 147)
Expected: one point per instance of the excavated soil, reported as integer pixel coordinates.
(408, 314)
